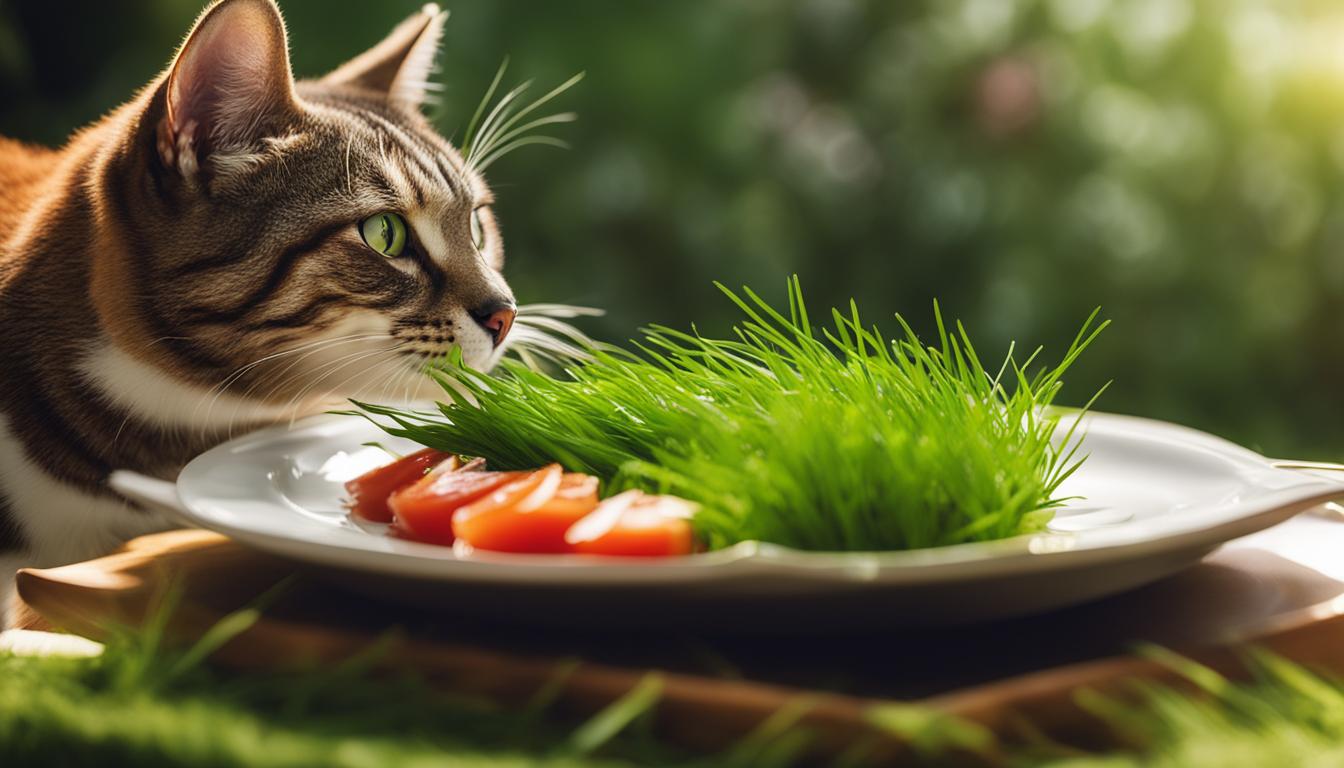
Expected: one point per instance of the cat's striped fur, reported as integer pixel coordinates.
(191, 266)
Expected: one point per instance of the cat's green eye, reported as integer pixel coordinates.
(477, 231)
(384, 233)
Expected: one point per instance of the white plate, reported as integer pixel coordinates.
(1156, 498)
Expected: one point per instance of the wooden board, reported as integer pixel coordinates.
(1280, 588)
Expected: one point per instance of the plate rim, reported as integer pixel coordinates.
(1017, 555)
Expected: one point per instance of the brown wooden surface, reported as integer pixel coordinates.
(1269, 588)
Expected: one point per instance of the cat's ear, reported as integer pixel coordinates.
(230, 85)
(400, 66)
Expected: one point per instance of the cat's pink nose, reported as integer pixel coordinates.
(496, 318)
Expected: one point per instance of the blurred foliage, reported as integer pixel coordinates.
(1174, 161)
(143, 703)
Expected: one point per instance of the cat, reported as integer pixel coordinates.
(230, 248)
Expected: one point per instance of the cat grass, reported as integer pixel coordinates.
(833, 439)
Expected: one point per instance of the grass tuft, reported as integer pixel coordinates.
(837, 439)
(141, 704)
(501, 132)
(1287, 715)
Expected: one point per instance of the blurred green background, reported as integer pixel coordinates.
(1176, 162)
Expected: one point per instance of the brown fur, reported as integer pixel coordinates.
(212, 221)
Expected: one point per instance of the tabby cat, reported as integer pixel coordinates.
(229, 248)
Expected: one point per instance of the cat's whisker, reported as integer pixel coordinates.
(469, 139)
(555, 327)
(559, 310)
(278, 376)
(278, 380)
(530, 340)
(310, 347)
(545, 141)
(500, 134)
(215, 392)
(379, 384)
(349, 177)
(510, 135)
(282, 382)
(487, 128)
(540, 334)
(404, 379)
(329, 368)
(407, 379)
(296, 402)
(243, 369)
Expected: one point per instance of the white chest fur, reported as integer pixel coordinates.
(61, 524)
(58, 523)
(154, 396)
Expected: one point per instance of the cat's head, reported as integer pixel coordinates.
(279, 237)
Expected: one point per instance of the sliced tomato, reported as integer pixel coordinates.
(424, 510)
(369, 491)
(529, 515)
(634, 524)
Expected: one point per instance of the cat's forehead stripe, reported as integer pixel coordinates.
(415, 149)
(412, 147)
(401, 185)
(453, 170)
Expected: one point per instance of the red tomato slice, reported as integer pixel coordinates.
(633, 524)
(369, 491)
(424, 511)
(530, 515)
